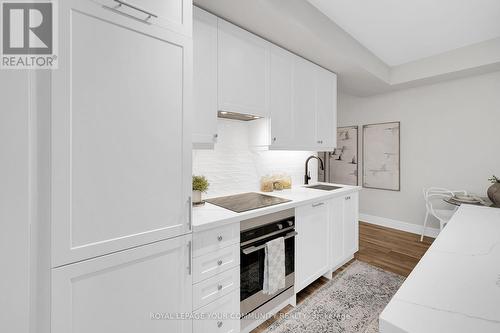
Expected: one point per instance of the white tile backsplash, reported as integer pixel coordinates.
(234, 167)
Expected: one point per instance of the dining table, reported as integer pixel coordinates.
(484, 201)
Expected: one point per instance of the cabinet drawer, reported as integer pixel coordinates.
(211, 289)
(217, 262)
(214, 239)
(220, 316)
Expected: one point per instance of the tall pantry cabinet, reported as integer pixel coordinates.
(121, 161)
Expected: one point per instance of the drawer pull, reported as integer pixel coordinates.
(219, 238)
(123, 3)
(219, 287)
(219, 262)
(219, 324)
(318, 204)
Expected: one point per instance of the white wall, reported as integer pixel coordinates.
(450, 136)
(233, 167)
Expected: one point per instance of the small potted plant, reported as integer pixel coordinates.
(200, 185)
(494, 190)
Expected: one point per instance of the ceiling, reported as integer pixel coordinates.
(402, 31)
(376, 46)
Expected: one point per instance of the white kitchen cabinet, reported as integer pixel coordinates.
(175, 15)
(304, 104)
(243, 69)
(205, 79)
(281, 98)
(121, 144)
(344, 229)
(312, 258)
(351, 224)
(326, 109)
(337, 232)
(125, 292)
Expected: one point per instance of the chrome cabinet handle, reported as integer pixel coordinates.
(123, 3)
(190, 250)
(219, 238)
(219, 263)
(219, 287)
(348, 198)
(318, 204)
(274, 139)
(219, 324)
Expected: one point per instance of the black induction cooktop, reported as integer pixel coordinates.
(246, 201)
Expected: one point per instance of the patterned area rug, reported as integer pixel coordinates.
(350, 303)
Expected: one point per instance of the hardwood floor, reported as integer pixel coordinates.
(392, 250)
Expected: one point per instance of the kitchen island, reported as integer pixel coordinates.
(456, 285)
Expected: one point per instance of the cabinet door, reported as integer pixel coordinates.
(121, 145)
(243, 71)
(126, 292)
(312, 243)
(205, 79)
(337, 232)
(175, 15)
(281, 97)
(304, 104)
(326, 109)
(351, 222)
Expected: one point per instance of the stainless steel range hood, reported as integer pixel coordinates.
(236, 116)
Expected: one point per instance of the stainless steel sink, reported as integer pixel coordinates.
(324, 187)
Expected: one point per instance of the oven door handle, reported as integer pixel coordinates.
(274, 233)
(252, 249)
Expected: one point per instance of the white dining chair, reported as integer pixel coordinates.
(437, 207)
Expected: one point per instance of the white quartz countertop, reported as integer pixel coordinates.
(456, 286)
(211, 216)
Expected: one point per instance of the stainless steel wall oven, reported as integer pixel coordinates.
(254, 235)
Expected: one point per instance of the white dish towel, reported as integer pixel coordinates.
(274, 266)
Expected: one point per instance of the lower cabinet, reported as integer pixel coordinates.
(137, 290)
(312, 223)
(216, 277)
(327, 237)
(345, 229)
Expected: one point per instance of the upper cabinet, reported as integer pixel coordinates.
(303, 100)
(205, 79)
(326, 109)
(304, 104)
(116, 128)
(175, 15)
(296, 99)
(243, 71)
(281, 98)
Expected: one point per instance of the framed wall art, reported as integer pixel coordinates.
(381, 156)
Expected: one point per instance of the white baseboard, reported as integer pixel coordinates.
(399, 225)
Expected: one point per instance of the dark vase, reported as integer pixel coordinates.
(494, 193)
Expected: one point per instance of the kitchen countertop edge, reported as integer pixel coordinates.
(210, 216)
